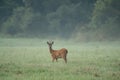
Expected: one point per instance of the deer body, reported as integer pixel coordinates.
(62, 53)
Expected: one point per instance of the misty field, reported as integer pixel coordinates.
(29, 59)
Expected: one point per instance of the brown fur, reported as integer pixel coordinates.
(62, 53)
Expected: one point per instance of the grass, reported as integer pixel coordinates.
(29, 59)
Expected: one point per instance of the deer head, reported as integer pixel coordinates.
(50, 43)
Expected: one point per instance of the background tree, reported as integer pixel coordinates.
(106, 17)
(86, 19)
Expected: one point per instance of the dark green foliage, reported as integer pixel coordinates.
(106, 18)
(62, 18)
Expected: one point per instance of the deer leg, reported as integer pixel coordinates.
(53, 60)
(65, 59)
(56, 60)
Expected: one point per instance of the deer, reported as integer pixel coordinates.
(62, 53)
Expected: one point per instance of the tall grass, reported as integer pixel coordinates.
(29, 59)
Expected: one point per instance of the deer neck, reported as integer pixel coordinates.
(51, 50)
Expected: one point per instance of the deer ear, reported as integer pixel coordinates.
(52, 42)
(47, 42)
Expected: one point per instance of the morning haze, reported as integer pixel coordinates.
(78, 19)
(59, 39)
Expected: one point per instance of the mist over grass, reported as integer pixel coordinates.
(29, 59)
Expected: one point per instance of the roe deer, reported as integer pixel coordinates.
(62, 53)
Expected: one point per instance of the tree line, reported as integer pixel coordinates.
(78, 19)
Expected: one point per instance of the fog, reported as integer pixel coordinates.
(79, 20)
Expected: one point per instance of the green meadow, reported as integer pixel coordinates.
(29, 59)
